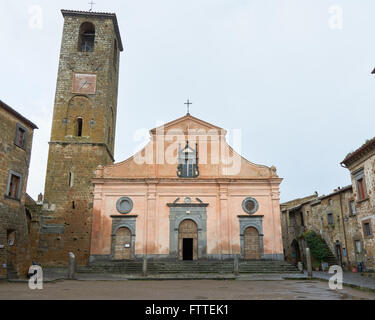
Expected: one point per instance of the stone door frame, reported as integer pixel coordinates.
(255, 222)
(119, 222)
(187, 211)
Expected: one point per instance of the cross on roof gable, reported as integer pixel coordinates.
(189, 120)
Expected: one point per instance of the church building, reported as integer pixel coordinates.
(188, 196)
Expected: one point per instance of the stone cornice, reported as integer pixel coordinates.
(64, 143)
(187, 205)
(364, 150)
(180, 181)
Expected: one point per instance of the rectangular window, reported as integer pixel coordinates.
(14, 185)
(352, 209)
(79, 127)
(302, 221)
(367, 228)
(359, 177)
(20, 138)
(358, 247)
(292, 219)
(330, 219)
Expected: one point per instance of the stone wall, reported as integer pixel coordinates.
(291, 229)
(72, 160)
(366, 208)
(13, 215)
(340, 230)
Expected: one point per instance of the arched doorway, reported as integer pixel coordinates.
(251, 244)
(188, 240)
(296, 253)
(123, 239)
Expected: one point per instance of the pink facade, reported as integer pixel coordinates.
(160, 200)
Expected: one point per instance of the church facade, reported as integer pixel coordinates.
(187, 196)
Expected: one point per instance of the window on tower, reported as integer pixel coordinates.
(79, 127)
(86, 37)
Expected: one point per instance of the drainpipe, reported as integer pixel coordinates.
(343, 224)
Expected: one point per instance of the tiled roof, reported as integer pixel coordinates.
(360, 152)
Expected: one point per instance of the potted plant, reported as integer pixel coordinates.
(318, 248)
(316, 265)
(324, 266)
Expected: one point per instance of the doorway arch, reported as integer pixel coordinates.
(188, 240)
(296, 252)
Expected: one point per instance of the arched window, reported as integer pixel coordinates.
(79, 127)
(187, 162)
(86, 37)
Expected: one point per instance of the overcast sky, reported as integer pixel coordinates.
(293, 75)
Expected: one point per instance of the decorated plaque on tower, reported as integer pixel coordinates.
(84, 83)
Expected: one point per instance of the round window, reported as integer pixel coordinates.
(250, 205)
(124, 205)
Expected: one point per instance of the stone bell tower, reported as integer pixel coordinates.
(83, 132)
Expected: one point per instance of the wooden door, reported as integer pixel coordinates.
(251, 244)
(123, 241)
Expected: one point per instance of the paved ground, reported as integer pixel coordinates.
(182, 290)
(349, 278)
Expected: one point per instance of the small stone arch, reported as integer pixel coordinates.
(255, 222)
(79, 106)
(179, 220)
(295, 252)
(128, 252)
(131, 227)
(86, 41)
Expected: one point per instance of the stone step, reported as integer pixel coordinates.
(186, 267)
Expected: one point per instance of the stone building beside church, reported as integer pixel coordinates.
(344, 218)
(361, 165)
(17, 227)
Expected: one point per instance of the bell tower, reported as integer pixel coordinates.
(83, 132)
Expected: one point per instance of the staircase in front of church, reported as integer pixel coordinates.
(190, 267)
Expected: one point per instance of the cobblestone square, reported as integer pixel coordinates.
(182, 290)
